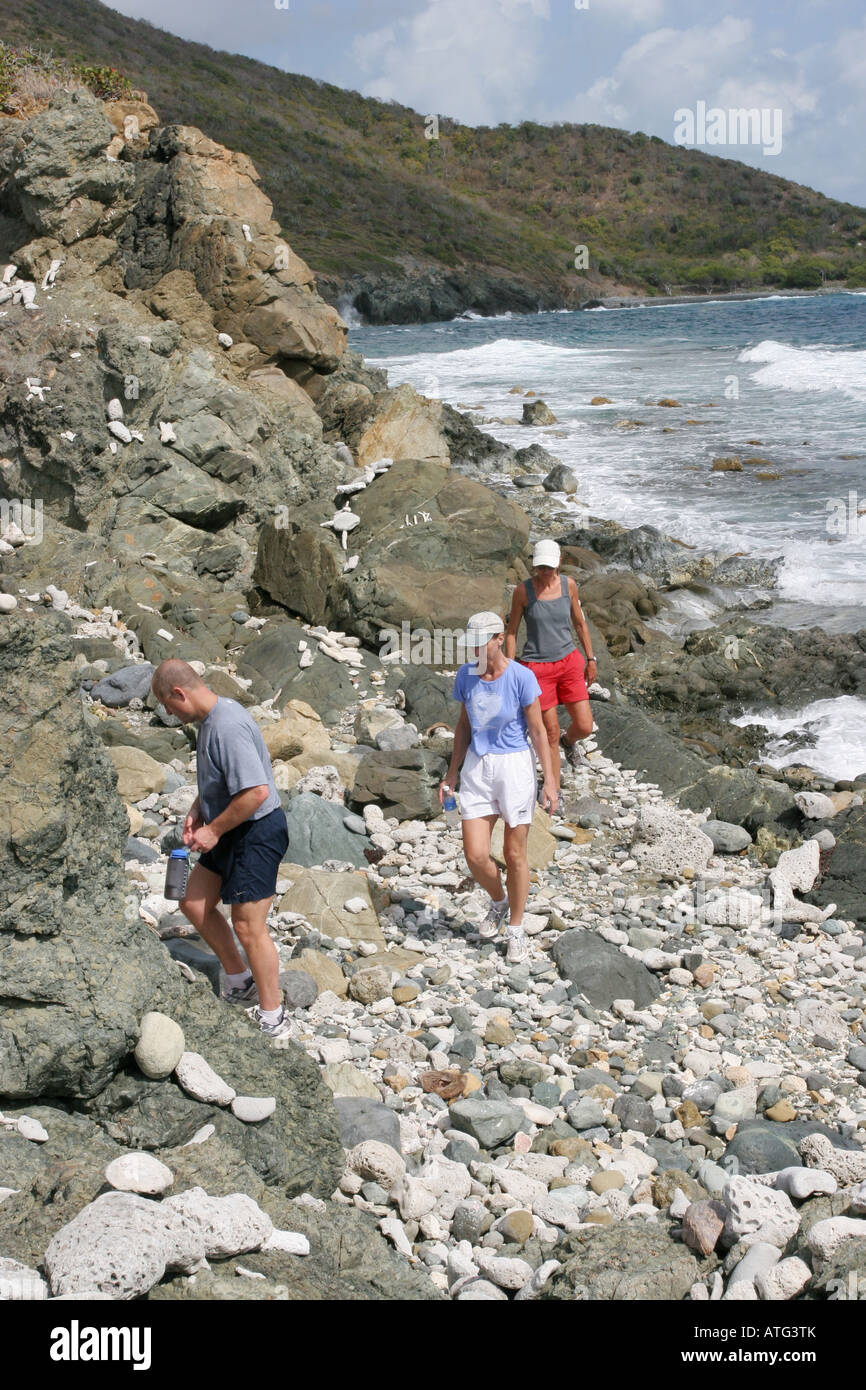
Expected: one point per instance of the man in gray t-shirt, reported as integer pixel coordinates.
(239, 827)
(230, 755)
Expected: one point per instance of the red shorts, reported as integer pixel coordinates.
(562, 681)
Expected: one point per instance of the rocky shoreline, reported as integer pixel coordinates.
(434, 295)
(674, 1083)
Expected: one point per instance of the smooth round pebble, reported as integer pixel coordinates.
(139, 1172)
(252, 1109)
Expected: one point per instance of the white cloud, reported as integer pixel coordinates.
(670, 69)
(850, 54)
(643, 12)
(476, 60)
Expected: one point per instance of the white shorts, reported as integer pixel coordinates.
(499, 784)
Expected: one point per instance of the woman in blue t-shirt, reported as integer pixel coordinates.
(500, 723)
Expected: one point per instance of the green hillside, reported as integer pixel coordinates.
(360, 191)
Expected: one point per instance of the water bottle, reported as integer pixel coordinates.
(449, 806)
(176, 875)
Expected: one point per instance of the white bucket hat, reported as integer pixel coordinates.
(479, 630)
(546, 553)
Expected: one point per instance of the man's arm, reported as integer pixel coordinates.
(518, 603)
(239, 809)
(462, 739)
(581, 627)
(192, 822)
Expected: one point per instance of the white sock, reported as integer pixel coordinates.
(234, 981)
(498, 902)
(271, 1015)
(515, 928)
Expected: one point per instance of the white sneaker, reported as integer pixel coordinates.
(518, 946)
(280, 1029)
(491, 925)
(575, 755)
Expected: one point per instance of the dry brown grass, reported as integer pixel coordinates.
(33, 91)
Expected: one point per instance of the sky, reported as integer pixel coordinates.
(650, 65)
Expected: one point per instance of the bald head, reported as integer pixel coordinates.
(175, 674)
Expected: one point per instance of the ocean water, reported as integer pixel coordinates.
(782, 378)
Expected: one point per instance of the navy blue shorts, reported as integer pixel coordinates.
(248, 858)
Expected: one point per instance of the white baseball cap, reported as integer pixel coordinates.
(546, 553)
(479, 630)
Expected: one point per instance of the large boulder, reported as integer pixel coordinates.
(274, 658)
(404, 783)
(434, 547)
(666, 842)
(428, 696)
(300, 729)
(619, 603)
(79, 967)
(406, 426)
(844, 878)
(601, 971)
(321, 895)
(137, 774)
(634, 1262)
(540, 844)
(738, 795)
(61, 183)
(317, 832)
(125, 684)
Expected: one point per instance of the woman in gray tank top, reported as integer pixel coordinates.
(548, 604)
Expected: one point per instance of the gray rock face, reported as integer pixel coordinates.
(844, 880)
(193, 952)
(491, 1122)
(238, 445)
(317, 832)
(737, 795)
(160, 744)
(348, 1260)
(78, 976)
(62, 183)
(129, 683)
(404, 783)
(432, 575)
(275, 657)
(601, 971)
(428, 697)
(632, 1262)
